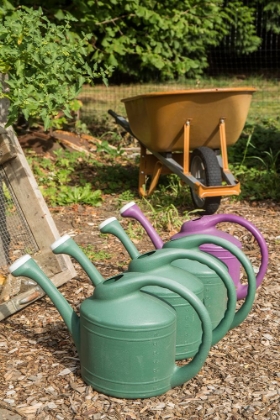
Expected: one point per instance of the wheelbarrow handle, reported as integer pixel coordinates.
(121, 121)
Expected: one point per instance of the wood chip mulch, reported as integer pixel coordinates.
(39, 365)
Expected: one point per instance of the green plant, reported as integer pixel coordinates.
(272, 12)
(164, 208)
(126, 196)
(94, 255)
(46, 64)
(61, 182)
(167, 215)
(60, 120)
(105, 147)
(241, 20)
(76, 195)
(255, 159)
(170, 191)
(248, 143)
(81, 127)
(257, 183)
(6, 197)
(269, 161)
(259, 137)
(113, 176)
(134, 230)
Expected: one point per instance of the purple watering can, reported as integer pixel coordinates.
(207, 225)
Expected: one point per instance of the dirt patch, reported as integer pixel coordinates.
(39, 364)
(45, 144)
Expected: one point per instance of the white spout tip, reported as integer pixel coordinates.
(18, 263)
(60, 241)
(106, 222)
(127, 206)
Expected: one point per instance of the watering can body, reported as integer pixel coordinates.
(215, 292)
(161, 262)
(130, 349)
(125, 338)
(206, 225)
(188, 330)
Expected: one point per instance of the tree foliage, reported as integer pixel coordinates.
(241, 23)
(272, 14)
(165, 38)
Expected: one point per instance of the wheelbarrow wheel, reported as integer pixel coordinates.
(206, 169)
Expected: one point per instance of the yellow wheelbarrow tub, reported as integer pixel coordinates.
(158, 119)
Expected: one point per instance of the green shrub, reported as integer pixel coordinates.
(46, 65)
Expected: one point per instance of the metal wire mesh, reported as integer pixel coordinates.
(16, 238)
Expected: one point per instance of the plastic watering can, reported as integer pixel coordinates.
(207, 225)
(125, 337)
(214, 299)
(192, 325)
(159, 262)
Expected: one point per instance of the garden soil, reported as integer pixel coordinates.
(39, 365)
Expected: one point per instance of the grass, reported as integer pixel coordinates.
(94, 255)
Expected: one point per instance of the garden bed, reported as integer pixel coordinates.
(240, 379)
(39, 365)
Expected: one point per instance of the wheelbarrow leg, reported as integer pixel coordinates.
(186, 152)
(223, 160)
(222, 129)
(145, 169)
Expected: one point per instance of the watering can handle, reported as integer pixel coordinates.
(122, 287)
(226, 322)
(194, 241)
(232, 218)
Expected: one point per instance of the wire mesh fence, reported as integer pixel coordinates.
(96, 101)
(16, 238)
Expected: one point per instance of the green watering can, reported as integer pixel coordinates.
(125, 338)
(189, 332)
(162, 262)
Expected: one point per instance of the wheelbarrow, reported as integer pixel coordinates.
(187, 132)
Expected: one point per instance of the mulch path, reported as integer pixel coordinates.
(39, 365)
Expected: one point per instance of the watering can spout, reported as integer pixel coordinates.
(111, 225)
(132, 210)
(27, 267)
(66, 245)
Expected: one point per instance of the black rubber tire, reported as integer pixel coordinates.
(206, 169)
